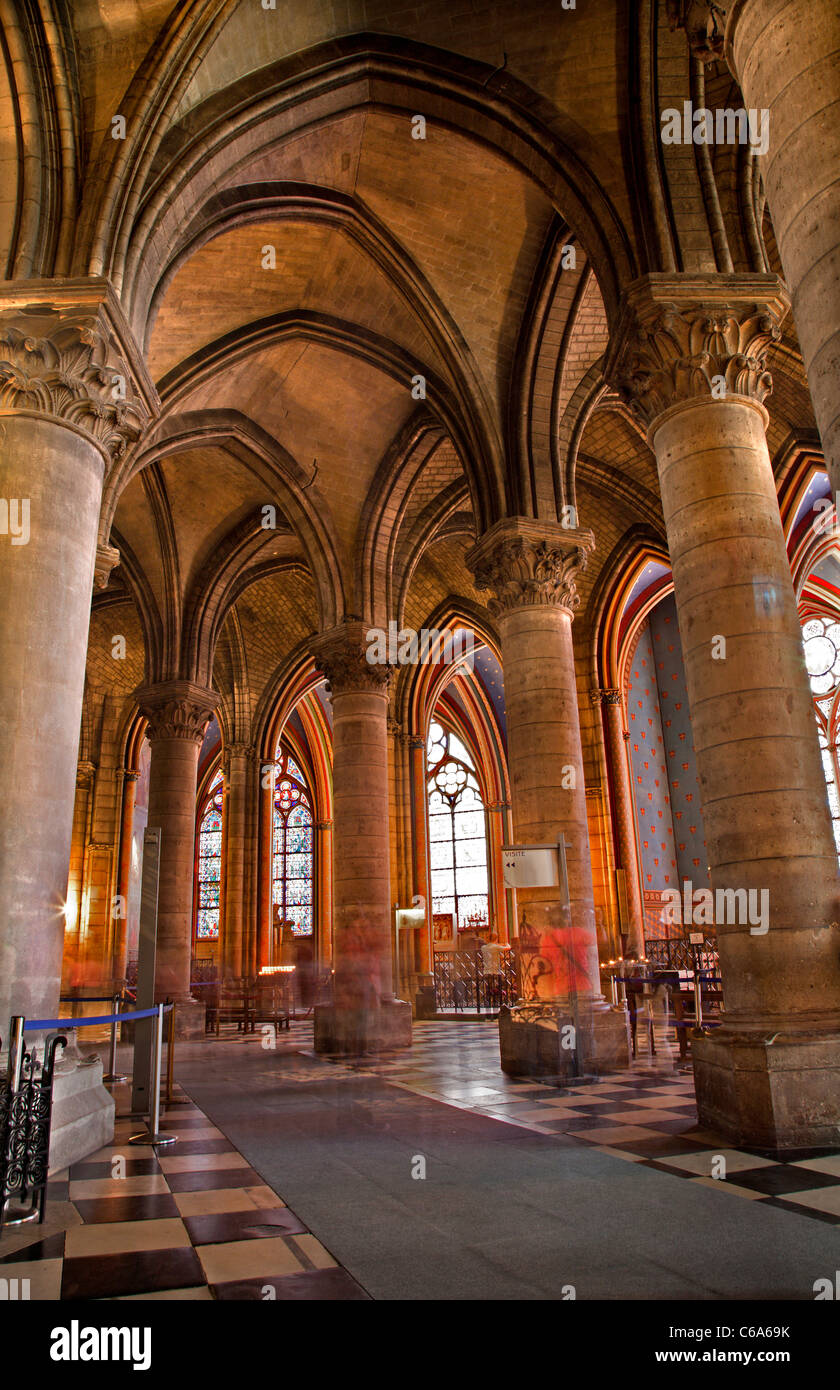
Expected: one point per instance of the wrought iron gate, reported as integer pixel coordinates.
(25, 1117)
(460, 982)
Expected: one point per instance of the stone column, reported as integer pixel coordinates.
(63, 348)
(323, 894)
(419, 843)
(531, 567)
(259, 952)
(615, 728)
(241, 760)
(690, 355)
(130, 778)
(73, 958)
(177, 712)
(365, 1016)
(494, 821)
(785, 55)
(59, 428)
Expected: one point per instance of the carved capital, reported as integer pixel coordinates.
(704, 23)
(107, 559)
(341, 654)
(176, 709)
(242, 750)
(526, 563)
(85, 775)
(686, 337)
(66, 352)
(605, 697)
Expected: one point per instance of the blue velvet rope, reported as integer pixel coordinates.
(41, 1023)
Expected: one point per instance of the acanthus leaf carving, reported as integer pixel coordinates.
(342, 655)
(693, 345)
(176, 709)
(69, 367)
(522, 566)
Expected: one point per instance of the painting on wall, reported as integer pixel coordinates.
(443, 930)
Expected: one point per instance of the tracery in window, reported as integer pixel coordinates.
(210, 863)
(821, 641)
(457, 833)
(821, 637)
(292, 846)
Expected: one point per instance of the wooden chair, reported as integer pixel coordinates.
(684, 1012)
(211, 1000)
(233, 1006)
(266, 1004)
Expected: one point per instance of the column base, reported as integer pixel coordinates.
(424, 1000)
(779, 1095)
(543, 1040)
(82, 1116)
(352, 1031)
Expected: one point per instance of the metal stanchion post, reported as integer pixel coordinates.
(113, 1074)
(16, 1050)
(154, 1137)
(172, 1100)
(170, 1054)
(698, 988)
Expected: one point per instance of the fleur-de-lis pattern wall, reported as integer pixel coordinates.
(669, 821)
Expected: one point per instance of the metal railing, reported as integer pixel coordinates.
(26, 1094)
(25, 1119)
(461, 983)
(677, 953)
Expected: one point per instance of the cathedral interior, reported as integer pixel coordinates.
(420, 659)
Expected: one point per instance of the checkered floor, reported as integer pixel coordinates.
(194, 1221)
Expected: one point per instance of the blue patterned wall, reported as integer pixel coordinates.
(650, 771)
(689, 835)
(663, 765)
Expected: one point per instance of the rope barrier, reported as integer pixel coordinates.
(90, 1022)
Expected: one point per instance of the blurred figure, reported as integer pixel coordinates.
(567, 951)
(305, 972)
(357, 980)
(491, 962)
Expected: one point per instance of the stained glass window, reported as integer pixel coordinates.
(829, 768)
(821, 640)
(292, 846)
(210, 864)
(457, 836)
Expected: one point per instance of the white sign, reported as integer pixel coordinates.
(531, 866)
